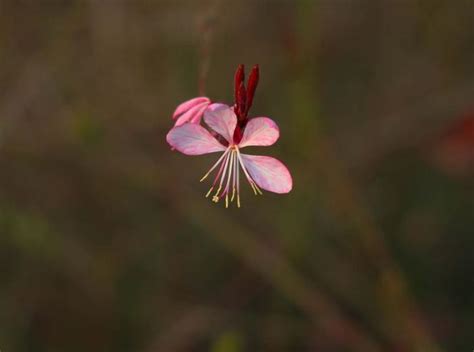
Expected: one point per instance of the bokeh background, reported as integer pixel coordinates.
(107, 242)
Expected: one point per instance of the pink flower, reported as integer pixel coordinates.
(228, 137)
(191, 110)
(229, 130)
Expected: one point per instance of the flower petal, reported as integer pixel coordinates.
(193, 115)
(268, 173)
(188, 104)
(193, 139)
(260, 131)
(221, 118)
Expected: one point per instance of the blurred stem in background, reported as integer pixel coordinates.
(206, 26)
(404, 323)
(403, 318)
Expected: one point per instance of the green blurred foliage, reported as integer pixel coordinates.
(227, 342)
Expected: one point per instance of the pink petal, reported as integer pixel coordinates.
(192, 115)
(268, 173)
(221, 118)
(182, 108)
(193, 139)
(260, 131)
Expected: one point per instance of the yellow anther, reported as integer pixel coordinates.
(215, 199)
(204, 177)
(233, 195)
(253, 188)
(218, 190)
(226, 200)
(238, 201)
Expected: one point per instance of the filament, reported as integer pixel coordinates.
(229, 164)
(254, 186)
(224, 171)
(226, 190)
(215, 165)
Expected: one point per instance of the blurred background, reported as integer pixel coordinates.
(107, 242)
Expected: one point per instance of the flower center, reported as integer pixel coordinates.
(230, 163)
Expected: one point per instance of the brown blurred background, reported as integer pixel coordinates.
(107, 242)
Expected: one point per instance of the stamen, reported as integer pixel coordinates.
(224, 171)
(218, 174)
(215, 165)
(215, 179)
(257, 188)
(209, 192)
(231, 168)
(237, 165)
(254, 186)
(231, 164)
(234, 177)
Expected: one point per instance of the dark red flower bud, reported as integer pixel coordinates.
(239, 78)
(252, 86)
(241, 102)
